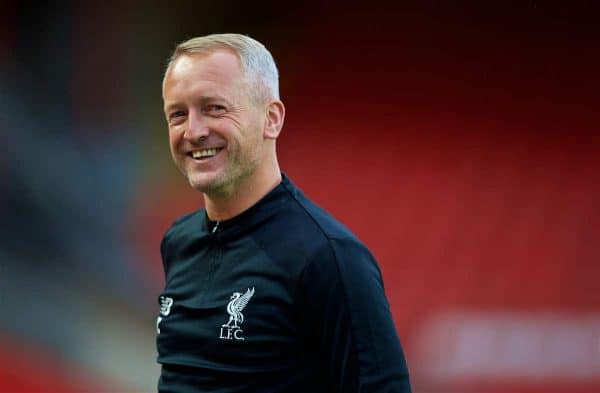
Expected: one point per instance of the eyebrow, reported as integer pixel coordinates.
(202, 100)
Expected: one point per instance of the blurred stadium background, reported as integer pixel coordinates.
(460, 142)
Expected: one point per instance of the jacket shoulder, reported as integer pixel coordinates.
(322, 220)
(182, 228)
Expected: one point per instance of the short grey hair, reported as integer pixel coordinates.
(257, 63)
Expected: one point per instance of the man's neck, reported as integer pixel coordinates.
(221, 208)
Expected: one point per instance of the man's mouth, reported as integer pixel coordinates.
(205, 153)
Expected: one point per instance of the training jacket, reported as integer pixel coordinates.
(281, 298)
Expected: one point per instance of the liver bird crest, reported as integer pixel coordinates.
(236, 305)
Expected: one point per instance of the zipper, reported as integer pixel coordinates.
(213, 261)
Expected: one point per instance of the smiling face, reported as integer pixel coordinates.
(215, 126)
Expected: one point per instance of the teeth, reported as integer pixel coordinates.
(204, 153)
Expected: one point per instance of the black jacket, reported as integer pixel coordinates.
(281, 298)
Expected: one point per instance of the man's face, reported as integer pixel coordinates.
(215, 127)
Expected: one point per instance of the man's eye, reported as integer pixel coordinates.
(214, 109)
(177, 114)
(176, 117)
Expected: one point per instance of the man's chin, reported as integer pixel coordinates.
(205, 184)
(200, 183)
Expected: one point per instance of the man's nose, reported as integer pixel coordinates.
(196, 127)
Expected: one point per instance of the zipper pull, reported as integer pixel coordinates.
(215, 228)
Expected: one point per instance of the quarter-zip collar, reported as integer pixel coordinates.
(266, 207)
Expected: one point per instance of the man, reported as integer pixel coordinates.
(265, 292)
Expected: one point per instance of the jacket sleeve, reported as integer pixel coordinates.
(348, 323)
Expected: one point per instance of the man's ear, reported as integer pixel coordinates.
(275, 116)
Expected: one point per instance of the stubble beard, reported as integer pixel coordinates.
(239, 167)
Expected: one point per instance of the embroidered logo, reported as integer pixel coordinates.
(165, 309)
(231, 330)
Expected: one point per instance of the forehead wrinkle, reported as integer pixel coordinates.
(202, 99)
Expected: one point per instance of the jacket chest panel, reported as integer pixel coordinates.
(231, 305)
